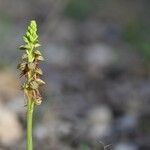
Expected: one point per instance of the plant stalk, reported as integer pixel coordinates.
(30, 69)
(30, 108)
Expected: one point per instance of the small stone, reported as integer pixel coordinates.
(58, 55)
(41, 131)
(127, 122)
(17, 105)
(66, 32)
(64, 128)
(99, 56)
(99, 121)
(8, 86)
(10, 128)
(126, 146)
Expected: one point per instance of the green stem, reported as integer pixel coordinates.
(30, 108)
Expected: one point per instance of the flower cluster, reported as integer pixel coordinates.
(29, 65)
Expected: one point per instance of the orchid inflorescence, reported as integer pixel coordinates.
(29, 66)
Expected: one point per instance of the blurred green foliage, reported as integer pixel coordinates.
(6, 38)
(137, 35)
(145, 124)
(5, 30)
(84, 147)
(79, 9)
(132, 32)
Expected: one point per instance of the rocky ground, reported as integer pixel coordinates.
(96, 95)
(87, 104)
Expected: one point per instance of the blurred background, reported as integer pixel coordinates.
(96, 69)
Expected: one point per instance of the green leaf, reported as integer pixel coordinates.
(24, 56)
(34, 35)
(33, 24)
(37, 45)
(38, 71)
(26, 39)
(24, 47)
(40, 81)
(40, 58)
(28, 34)
(22, 66)
(37, 52)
